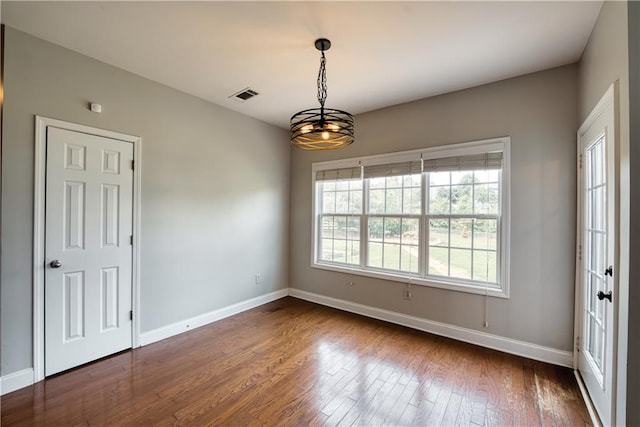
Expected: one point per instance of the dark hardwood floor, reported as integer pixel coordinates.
(294, 363)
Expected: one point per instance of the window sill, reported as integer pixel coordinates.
(419, 281)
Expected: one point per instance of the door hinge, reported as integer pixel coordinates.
(131, 240)
(131, 315)
(580, 253)
(580, 162)
(577, 343)
(132, 164)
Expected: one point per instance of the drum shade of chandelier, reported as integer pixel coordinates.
(322, 128)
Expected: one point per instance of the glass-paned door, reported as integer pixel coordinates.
(595, 233)
(597, 240)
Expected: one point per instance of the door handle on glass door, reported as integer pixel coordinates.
(601, 295)
(609, 271)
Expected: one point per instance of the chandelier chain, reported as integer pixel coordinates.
(322, 81)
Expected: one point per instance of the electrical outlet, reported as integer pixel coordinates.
(406, 294)
(258, 279)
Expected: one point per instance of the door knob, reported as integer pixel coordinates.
(55, 263)
(601, 295)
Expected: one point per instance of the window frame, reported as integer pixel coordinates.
(422, 278)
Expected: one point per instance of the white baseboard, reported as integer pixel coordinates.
(16, 381)
(206, 318)
(496, 342)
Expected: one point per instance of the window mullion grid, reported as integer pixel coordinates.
(385, 196)
(318, 214)
(318, 220)
(384, 220)
(333, 224)
(473, 234)
(384, 229)
(401, 213)
(499, 258)
(449, 228)
(348, 241)
(364, 224)
(498, 249)
(333, 237)
(400, 247)
(322, 217)
(473, 220)
(423, 244)
(449, 247)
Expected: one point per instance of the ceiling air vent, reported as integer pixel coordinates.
(244, 94)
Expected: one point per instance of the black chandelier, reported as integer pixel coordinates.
(322, 128)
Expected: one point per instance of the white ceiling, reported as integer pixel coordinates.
(383, 53)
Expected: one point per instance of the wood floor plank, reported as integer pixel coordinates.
(478, 412)
(291, 363)
(452, 410)
(423, 413)
(465, 411)
(394, 416)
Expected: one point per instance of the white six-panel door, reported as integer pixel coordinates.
(88, 250)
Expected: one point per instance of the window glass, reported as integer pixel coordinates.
(393, 243)
(339, 229)
(395, 204)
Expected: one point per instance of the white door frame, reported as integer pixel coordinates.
(610, 97)
(39, 231)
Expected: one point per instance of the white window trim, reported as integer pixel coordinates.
(474, 147)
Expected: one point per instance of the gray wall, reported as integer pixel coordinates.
(215, 192)
(605, 60)
(539, 112)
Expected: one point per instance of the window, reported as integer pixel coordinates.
(435, 217)
(394, 195)
(463, 214)
(340, 210)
